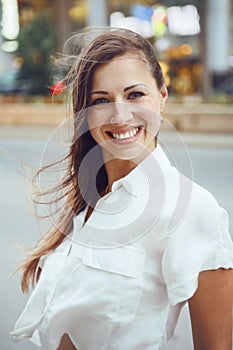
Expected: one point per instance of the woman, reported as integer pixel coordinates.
(126, 253)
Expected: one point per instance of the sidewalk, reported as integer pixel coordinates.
(197, 139)
(185, 117)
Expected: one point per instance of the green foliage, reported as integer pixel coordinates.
(180, 2)
(37, 41)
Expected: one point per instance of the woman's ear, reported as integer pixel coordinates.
(163, 97)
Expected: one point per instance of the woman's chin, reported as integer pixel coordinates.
(128, 151)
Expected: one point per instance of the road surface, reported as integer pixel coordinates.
(211, 164)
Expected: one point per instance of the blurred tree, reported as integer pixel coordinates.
(180, 2)
(37, 41)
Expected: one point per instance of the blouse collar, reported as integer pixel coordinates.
(150, 170)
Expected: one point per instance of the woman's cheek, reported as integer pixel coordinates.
(97, 116)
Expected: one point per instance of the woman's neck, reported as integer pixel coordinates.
(118, 168)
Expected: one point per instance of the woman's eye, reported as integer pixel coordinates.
(99, 101)
(135, 94)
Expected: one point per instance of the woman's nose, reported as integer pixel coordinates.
(121, 113)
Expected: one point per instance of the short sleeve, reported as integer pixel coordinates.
(201, 242)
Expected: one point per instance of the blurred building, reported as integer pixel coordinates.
(193, 38)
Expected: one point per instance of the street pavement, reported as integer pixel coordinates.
(208, 158)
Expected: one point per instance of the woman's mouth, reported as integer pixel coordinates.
(125, 135)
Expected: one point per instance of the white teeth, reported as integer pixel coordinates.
(127, 135)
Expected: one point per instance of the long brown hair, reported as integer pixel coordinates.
(76, 189)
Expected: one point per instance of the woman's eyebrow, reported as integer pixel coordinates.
(126, 89)
(99, 92)
(135, 85)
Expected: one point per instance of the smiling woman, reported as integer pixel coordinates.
(133, 242)
(126, 109)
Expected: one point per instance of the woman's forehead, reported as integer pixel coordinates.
(121, 71)
(128, 58)
(120, 62)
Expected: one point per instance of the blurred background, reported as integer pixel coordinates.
(193, 39)
(194, 42)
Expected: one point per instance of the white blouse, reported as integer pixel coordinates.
(121, 279)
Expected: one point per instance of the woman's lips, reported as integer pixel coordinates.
(125, 136)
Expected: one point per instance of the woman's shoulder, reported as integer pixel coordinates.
(205, 208)
(192, 204)
(202, 215)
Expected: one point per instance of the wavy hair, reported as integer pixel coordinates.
(76, 191)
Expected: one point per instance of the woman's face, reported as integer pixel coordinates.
(125, 106)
